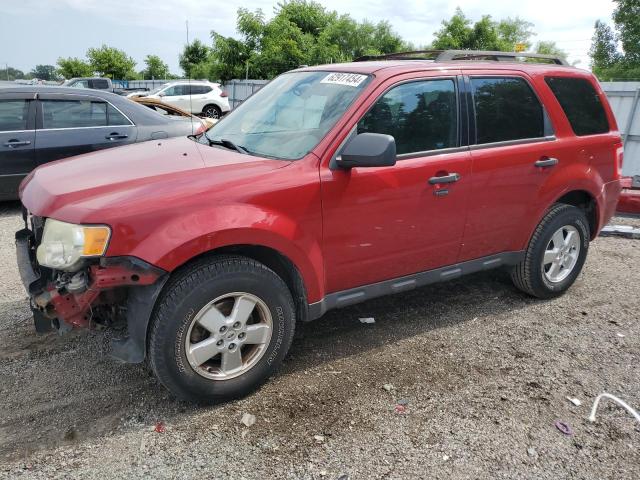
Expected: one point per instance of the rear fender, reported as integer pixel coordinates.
(573, 177)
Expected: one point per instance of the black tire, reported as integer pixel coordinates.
(212, 111)
(529, 275)
(187, 294)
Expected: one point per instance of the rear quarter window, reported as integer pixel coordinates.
(581, 104)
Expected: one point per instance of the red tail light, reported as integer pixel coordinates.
(619, 158)
(223, 94)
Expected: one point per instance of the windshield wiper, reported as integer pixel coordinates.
(229, 144)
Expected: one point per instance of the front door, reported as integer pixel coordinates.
(385, 222)
(72, 124)
(17, 141)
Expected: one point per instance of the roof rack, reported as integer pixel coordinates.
(458, 55)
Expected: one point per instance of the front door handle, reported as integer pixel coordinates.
(116, 136)
(546, 162)
(14, 142)
(449, 178)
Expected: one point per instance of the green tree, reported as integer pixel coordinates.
(550, 48)
(301, 32)
(10, 73)
(607, 62)
(44, 72)
(156, 68)
(111, 62)
(460, 33)
(193, 54)
(604, 51)
(74, 67)
(626, 17)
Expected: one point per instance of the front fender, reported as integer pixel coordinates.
(179, 238)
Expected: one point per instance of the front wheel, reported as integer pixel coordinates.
(221, 329)
(556, 253)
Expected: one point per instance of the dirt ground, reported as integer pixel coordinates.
(482, 370)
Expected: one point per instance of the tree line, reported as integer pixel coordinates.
(303, 32)
(104, 61)
(608, 60)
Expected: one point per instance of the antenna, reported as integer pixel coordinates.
(189, 81)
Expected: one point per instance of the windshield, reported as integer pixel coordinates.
(291, 114)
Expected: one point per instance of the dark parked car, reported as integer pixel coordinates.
(42, 124)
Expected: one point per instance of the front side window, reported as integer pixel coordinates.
(175, 91)
(506, 109)
(580, 103)
(289, 116)
(13, 115)
(421, 116)
(73, 113)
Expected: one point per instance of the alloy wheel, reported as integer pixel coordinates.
(561, 254)
(228, 336)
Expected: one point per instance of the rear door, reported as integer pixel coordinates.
(17, 141)
(514, 151)
(178, 95)
(71, 124)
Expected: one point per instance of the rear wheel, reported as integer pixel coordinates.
(556, 253)
(212, 111)
(221, 329)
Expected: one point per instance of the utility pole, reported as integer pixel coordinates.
(6, 65)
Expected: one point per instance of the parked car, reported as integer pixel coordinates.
(93, 83)
(42, 124)
(332, 185)
(199, 98)
(172, 111)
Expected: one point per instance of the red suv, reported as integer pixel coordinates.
(330, 186)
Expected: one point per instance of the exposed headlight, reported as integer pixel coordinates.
(65, 244)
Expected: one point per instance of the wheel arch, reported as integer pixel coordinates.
(273, 259)
(587, 202)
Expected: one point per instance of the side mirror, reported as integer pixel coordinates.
(368, 150)
(161, 94)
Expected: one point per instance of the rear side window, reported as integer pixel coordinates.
(581, 104)
(421, 116)
(73, 113)
(13, 115)
(200, 89)
(115, 117)
(100, 84)
(506, 109)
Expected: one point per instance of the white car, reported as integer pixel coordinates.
(206, 98)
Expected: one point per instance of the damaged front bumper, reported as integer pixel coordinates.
(112, 286)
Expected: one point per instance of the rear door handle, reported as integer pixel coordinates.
(450, 178)
(116, 136)
(546, 162)
(17, 143)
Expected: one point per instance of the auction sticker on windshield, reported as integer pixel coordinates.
(348, 79)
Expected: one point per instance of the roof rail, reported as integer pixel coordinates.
(462, 55)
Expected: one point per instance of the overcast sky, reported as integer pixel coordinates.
(39, 31)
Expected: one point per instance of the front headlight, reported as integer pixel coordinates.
(65, 244)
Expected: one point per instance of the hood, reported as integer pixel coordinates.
(110, 182)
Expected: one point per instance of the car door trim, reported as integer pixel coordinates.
(362, 293)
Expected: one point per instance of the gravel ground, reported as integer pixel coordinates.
(484, 372)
